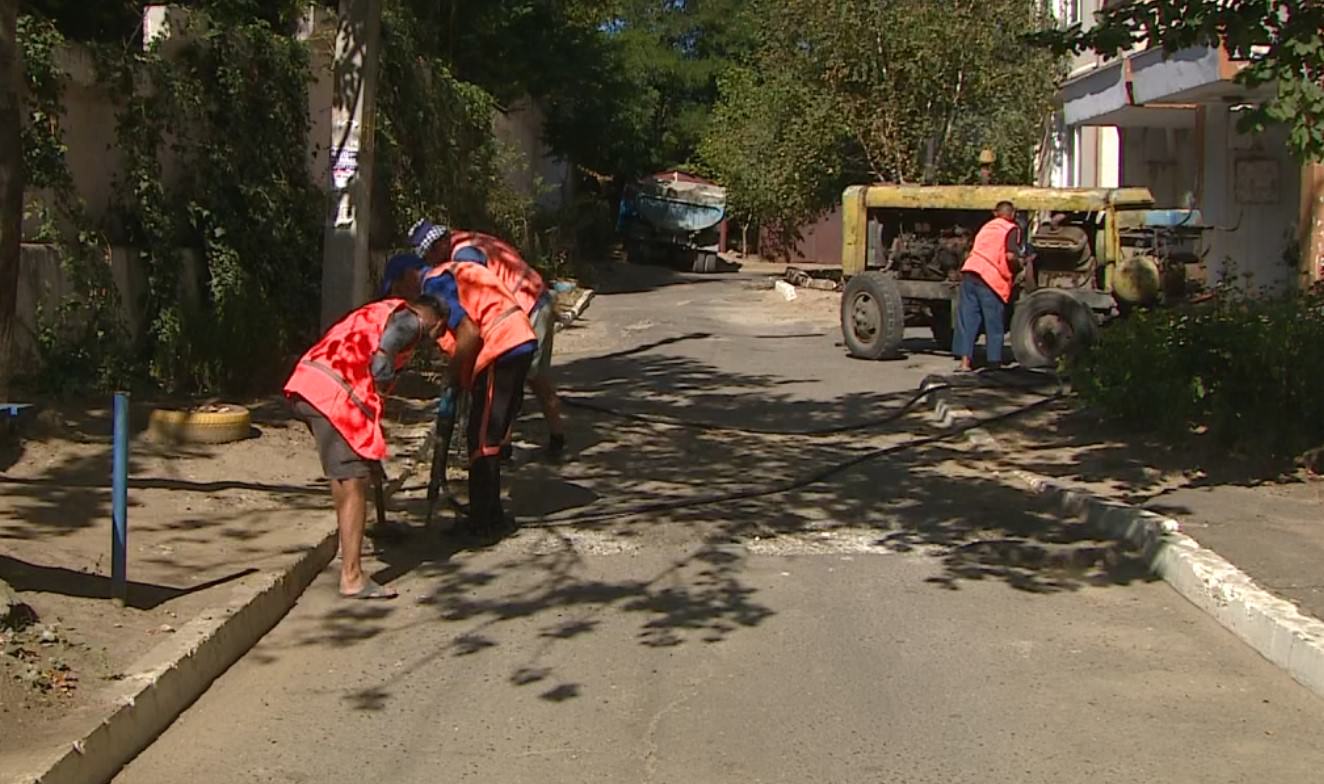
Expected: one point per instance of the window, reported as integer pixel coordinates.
(1070, 12)
(1073, 162)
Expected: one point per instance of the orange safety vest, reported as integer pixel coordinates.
(520, 279)
(335, 377)
(988, 256)
(501, 322)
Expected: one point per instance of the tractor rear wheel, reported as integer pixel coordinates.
(1049, 325)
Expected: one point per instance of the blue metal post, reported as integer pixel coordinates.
(119, 500)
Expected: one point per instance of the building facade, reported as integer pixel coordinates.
(1169, 122)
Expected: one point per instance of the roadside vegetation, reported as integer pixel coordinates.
(1242, 370)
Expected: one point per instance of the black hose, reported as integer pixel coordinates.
(795, 483)
(930, 385)
(868, 424)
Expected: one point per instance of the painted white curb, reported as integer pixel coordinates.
(1272, 626)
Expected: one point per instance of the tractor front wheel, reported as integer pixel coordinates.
(873, 319)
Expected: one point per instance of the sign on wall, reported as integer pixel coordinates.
(1257, 181)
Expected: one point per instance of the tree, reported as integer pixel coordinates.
(1282, 42)
(627, 85)
(674, 53)
(779, 166)
(11, 188)
(897, 90)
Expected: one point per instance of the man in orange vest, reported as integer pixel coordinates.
(438, 244)
(337, 388)
(986, 283)
(491, 345)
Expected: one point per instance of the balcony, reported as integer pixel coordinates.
(1155, 89)
(1201, 74)
(1105, 96)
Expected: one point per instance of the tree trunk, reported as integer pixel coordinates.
(11, 189)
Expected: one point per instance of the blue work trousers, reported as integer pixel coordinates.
(979, 306)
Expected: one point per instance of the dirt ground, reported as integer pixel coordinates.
(202, 521)
(201, 518)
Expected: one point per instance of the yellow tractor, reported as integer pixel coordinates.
(1097, 253)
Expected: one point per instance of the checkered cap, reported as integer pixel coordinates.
(424, 234)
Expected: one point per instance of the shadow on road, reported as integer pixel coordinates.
(930, 498)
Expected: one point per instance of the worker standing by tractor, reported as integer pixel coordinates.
(437, 245)
(986, 284)
(491, 345)
(338, 389)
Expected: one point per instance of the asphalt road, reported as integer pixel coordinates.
(908, 619)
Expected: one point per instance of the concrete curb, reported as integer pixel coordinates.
(1272, 626)
(166, 681)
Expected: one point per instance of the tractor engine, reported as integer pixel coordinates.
(915, 256)
(1063, 257)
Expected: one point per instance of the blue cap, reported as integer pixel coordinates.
(471, 253)
(398, 265)
(424, 233)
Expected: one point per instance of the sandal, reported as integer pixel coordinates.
(371, 590)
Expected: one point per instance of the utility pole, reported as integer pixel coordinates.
(1312, 223)
(345, 283)
(11, 188)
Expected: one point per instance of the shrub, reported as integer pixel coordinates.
(1245, 369)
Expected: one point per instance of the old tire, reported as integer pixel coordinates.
(873, 319)
(218, 424)
(1049, 325)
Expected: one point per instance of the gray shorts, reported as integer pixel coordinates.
(339, 460)
(544, 329)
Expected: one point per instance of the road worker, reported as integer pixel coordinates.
(986, 283)
(403, 276)
(491, 345)
(437, 244)
(338, 389)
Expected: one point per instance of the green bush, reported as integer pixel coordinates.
(1244, 370)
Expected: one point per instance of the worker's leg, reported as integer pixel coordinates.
(484, 455)
(443, 431)
(349, 475)
(967, 320)
(545, 390)
(501, 389)
(991, 306)
(350, 496)
(539, 376)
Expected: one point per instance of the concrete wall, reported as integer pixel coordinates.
(536, 173)
(88, 124)
(95, 164)
(1165, 160)
(42, 283)
(1251, 183)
